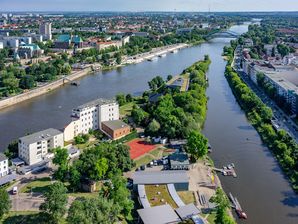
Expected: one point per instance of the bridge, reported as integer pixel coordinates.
(223, 34)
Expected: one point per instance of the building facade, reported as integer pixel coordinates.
(115, 129)
(3, 165)
(33, 148)
(90, 116)
(45, 29)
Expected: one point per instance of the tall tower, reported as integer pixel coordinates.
(45, 29)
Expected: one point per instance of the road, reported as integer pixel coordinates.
(283, 120)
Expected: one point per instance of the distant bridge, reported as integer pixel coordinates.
(224, 34)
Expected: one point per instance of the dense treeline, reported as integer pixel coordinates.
(279, 142)
(14, 79)
(176, 114)
(102, 164)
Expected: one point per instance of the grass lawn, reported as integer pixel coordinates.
(28, 217)
(143, 160)
(157, 152)
(159, 199)
(126, 109)
(187, 196)
(211, 218)
(83, 194)
(40, 185)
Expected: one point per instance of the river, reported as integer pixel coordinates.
(260, 187)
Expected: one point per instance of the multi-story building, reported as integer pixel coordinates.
(29, 51)
(45, 29)
(3, 165)
(33, 148)
(90, 116)
(66, 41)
(283, 78)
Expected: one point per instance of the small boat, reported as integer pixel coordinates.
(75, 83)
(236, 205)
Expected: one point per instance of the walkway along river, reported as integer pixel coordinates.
(260, 187)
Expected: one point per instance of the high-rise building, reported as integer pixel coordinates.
(45, 29)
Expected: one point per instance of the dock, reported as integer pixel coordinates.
(227, 170)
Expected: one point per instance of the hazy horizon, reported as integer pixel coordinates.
(149, 6)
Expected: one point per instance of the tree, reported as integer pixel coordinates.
(128, 98)
(153, 127)
(93, 210)
(116, 190)
(223, 204)
(169, 77)
(118, 58)
(61, 159)
(12, 150)
(61, 156)
(283, 49)
(27, 82)
(5, 203)
(197, 144)
(138, 115)
(55, 201)
(121, 99)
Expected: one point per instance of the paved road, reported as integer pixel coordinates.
(282, 119)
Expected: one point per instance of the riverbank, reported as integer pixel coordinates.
(281, 144)
(157, 52)
(43, 89)
(38, 91)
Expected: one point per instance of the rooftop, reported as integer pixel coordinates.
(2, 157)
(187, 211)
(96, 102)
(158, 215)
(160, 177)
(41, 135)
(115, 124)
(179, 159)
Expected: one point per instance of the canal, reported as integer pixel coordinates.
(260, 187)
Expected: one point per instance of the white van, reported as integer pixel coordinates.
(15, 190)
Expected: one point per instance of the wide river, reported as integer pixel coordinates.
(260, 187)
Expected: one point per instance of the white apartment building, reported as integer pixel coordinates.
(45, 29)
(3, 165)
(89, 116)
(33, 148)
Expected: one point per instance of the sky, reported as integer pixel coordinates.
(148, 5)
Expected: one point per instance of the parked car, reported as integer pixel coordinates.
(15, 190)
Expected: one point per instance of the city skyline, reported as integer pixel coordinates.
(154, 5)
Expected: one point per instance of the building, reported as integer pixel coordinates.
(284, 78)
(90, 116)
(104, 45)
(158, 215)
(34, 148)
(179, 161)
(115, 129)
(27, 51)
(3, 165)
(66, 41)
(178, 178)
(187, 211)
(45, 29)
(1, 45)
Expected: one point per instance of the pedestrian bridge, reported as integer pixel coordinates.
(224, 34)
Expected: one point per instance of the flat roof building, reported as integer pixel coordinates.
(163, 214)
(33, 148)
(115, 129)
(177, 177)
(179, 161)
